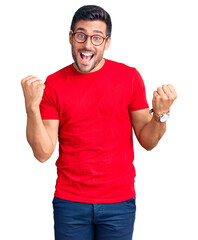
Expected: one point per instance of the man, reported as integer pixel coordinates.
(91, 106)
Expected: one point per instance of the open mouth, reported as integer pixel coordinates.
(86, 56)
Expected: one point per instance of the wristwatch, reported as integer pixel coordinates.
(160, 118)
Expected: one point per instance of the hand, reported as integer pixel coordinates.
(33, 89)
(163, 98)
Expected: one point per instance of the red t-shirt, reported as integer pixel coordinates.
(95, 163)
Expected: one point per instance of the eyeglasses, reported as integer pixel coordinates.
(81, 37)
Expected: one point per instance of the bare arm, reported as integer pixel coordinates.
(41, 134)
(147, 129)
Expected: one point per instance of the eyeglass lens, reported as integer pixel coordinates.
(81, 37)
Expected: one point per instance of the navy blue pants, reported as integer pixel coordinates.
(85, 221)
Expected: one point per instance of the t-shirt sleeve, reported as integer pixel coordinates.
(138, 99)
(48, 105)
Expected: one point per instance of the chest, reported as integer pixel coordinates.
(91, 100)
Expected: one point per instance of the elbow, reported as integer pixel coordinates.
(149, 146)
(41, 155)
(40, 152)
(42, 159)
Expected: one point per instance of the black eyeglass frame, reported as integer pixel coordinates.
(86, 36)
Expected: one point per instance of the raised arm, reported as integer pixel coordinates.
(148, 128)
(41, 134)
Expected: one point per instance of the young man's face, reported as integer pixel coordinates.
(81, 51)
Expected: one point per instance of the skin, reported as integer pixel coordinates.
(42, 134)
(90, 28)
(147, 129)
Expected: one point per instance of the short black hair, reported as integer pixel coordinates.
(92, 12)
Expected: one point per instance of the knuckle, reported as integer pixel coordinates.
(164, 87)
(28, 83)
(24, 79)
(159, 88)
(172, 97)
(155, 95)
(34, 84)
(35, 78)
(36, 81)
(162, 99)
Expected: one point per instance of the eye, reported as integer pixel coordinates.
(80, 36)
(97, 38)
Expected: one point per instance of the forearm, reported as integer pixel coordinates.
(37, 136)
(151, 134)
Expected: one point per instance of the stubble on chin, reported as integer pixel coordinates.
(79, 68)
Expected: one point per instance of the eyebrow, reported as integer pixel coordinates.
(96, 31)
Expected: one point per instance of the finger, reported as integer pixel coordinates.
(172, 89)
(161, 92)
(167, 91)
(27, 78)
(32, 80)
(173, 92)
(30, 77)
(37, 82)
(155, 94)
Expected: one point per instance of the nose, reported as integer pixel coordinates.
(88, 43)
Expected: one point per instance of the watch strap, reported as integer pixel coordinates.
(158, 117)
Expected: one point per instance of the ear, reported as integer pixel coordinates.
(107, 44)
(70, 37)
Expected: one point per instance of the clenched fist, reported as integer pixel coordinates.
(163, 98)
(33, 89)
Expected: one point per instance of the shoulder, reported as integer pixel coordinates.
(58, 76)
(124, 71)
(121, 67)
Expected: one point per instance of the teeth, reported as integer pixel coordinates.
(87, 54)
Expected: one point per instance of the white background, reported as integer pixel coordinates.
(157, 37)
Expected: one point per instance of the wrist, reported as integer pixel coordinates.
(156, 119)
(160, 117)
(32, 110)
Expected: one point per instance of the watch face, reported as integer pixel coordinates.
(164, 117)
